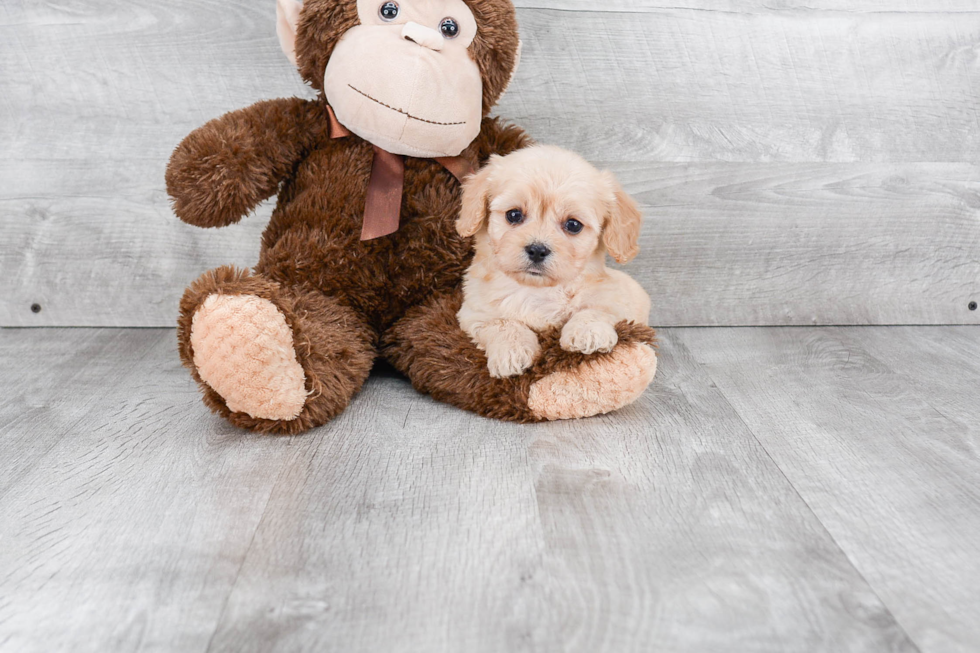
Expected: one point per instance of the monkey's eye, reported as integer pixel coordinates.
(389, 11)
(449, 28)
(515, 216)
(573, 226)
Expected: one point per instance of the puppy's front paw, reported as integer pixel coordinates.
(589, 337)
(513, 356)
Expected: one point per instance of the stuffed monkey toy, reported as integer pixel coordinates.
(361, 258)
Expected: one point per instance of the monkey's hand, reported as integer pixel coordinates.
(224, 169)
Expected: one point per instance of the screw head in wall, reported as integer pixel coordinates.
(35, 308)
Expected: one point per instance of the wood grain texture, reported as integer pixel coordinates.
(760, 6)
(660, 524)
(125, 523)
(406, 525)
(622, 496)
(827, 94)
(37, 383)
(796, 244)
(874, 427)
(682, 86)
(126, 530)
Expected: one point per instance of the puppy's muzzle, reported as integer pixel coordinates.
(537, 253)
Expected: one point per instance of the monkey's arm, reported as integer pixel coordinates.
(224, 169)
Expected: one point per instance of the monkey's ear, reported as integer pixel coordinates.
(287, 22)
(476, 196)
(517, 64)
(621, 234)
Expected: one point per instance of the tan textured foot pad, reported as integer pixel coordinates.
(243, 349)
(597, 387)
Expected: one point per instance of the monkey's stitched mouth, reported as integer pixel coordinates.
(406, 113)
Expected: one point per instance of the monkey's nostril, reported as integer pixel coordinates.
(537, 252)
(422, 35)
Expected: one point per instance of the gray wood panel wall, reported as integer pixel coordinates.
(799, 161)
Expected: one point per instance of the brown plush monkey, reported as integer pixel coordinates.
(361, 258)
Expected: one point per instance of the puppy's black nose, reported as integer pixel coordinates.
(537, 252)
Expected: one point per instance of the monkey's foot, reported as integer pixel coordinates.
(243, 349)
(429, 347)
(272, 358)
(595, 387)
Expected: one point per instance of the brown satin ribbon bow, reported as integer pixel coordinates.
(382, 211)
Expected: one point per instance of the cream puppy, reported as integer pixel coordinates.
(544, 220)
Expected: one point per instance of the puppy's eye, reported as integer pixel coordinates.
(389, 11)
(573, 226)
(515, 216)
(449, 28)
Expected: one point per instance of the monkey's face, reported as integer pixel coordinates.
(404, 80)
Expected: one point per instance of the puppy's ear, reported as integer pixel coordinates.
(476, 196)
(621, 233)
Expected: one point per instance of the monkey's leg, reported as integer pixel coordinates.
(429, 347)
(271, 358)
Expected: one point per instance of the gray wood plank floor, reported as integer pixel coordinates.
(806, 489)
(799, 162)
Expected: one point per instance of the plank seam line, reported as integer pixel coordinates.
(809, 508)
(238, 572)
(265, 511)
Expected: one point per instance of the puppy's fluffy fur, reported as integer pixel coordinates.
(533, 271)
